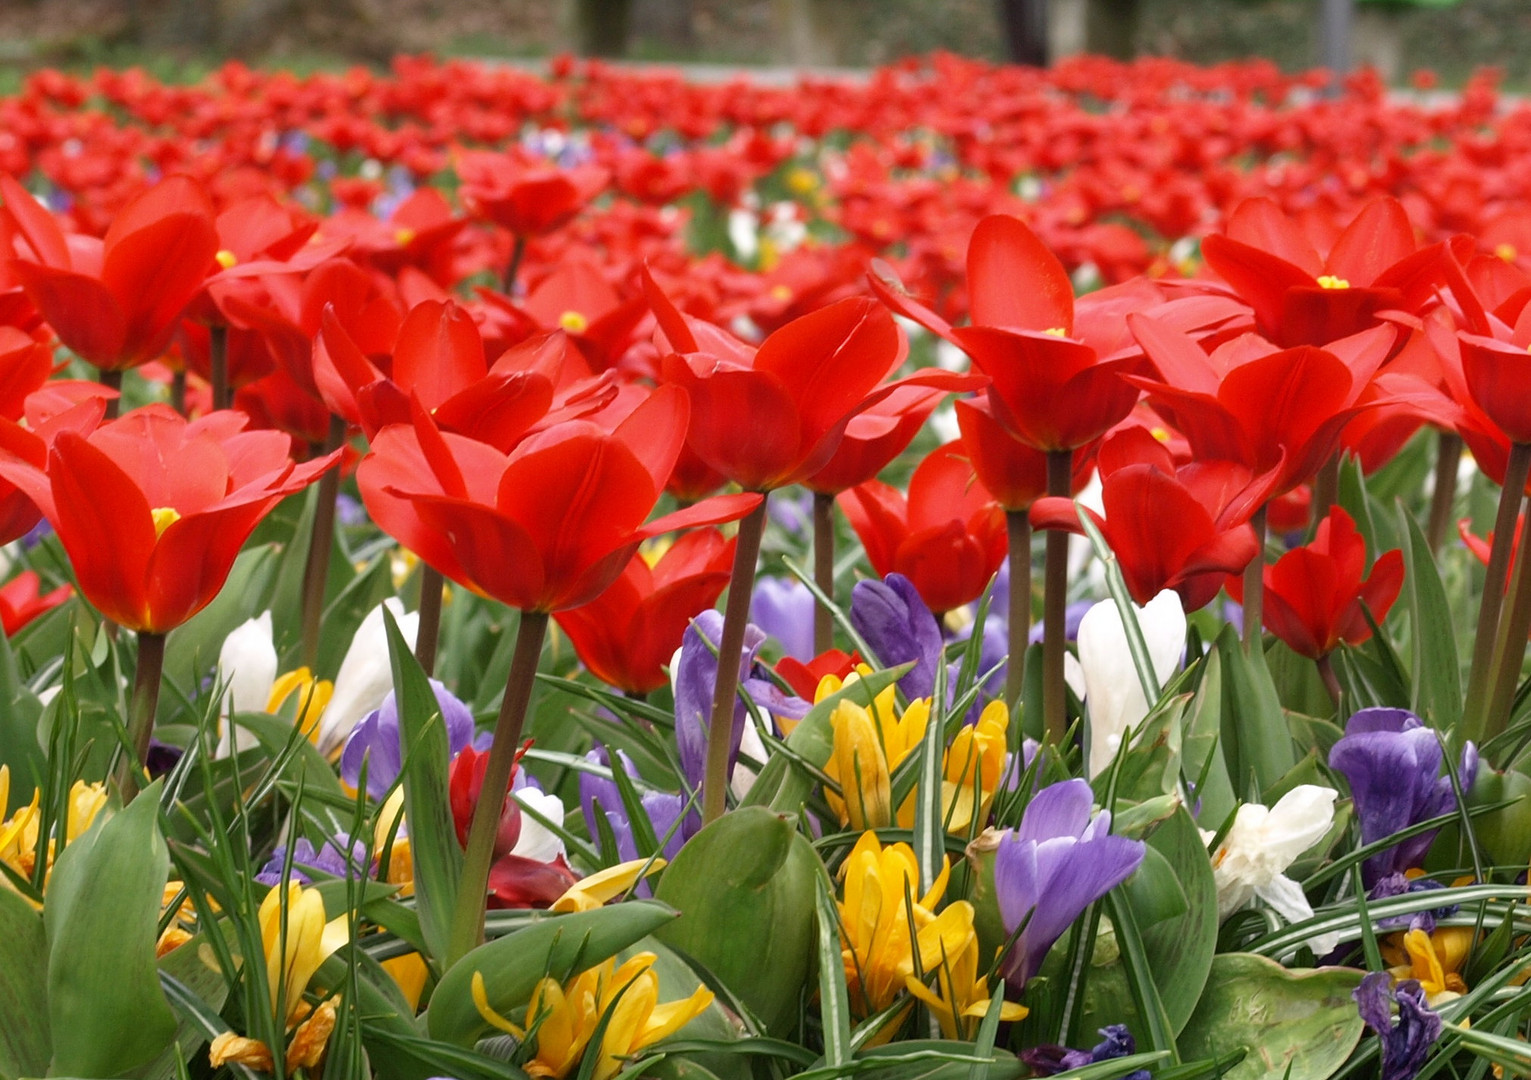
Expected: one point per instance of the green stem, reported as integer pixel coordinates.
(1054, 605)
(1510, 646)
(735, 617)
(467, 931)
(146, 682)
(218, 360)
(1019, 527)
(1474, 710)
(178, 391)
(1326, 488)
(321, 540)
(1254, 583)
(112, 380)
(1331, 680)
(1448, 456)
(432, 585)
(823, 569)
(517, 253)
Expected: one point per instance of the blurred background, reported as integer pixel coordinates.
(185, 37)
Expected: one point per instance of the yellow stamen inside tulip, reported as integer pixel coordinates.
(780, 293)
(1506, 252)
(574, 322)
(226, 258)
(404, 237)
(1329, 281)
(802, 181)
(164, 517)
(1056, 331)
(1162, 434)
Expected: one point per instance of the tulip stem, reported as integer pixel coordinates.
(1474, 710)
(320, 541)
(1331, 680)
(432, 584)
(146, 680)
(1019, 630)
(517, 253)
(823, 569)
(467, 931)
(112, 380)
(218, 361)
(1448, 456)
(1054, 605)
(178, 391)
(1326, 488)
(1254, 582)
(1510, 647)
(735, 616)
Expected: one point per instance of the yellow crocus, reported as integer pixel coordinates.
(881, 903)
(19, 832)
(401, 861)
(869, 745)
(589, 893)
(312, 696)
(973, 766)
(562, 1019)
(960, 998)
(1435, 959)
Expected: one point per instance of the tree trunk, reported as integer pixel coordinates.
(1025, 25)
(1111, 28)
(601, 27)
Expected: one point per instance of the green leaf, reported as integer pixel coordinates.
(24, 1039)
(105, 1006)
(1256, 740)
(1158, 1029)
(745, 888)
(1202, 755)
(1437, 671)
(834, 995)
(1298, 1024)
(557, 946)
(188, 974)
(432, 836)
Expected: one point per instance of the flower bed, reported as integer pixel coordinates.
(376, 452)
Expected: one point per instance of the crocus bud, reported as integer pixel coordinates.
(247, 667)
(365, 674)
(1113, 691)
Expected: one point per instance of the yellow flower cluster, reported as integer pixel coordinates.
(563, 1019)
(19, 831)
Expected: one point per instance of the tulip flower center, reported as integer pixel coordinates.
(226, 258)
(1506, 252)
(1056, 331)
(781, 293)
(1329, 281)
(164, 517)
(574, 322)
(404, 237)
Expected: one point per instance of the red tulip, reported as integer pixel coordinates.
(514, 881)
(152, 509)
(627, 635)
(116, 302)
(526, 198)
(550, 525)
(875, 437)
(805, 678)
(948, 537)
(1498, 376)
(1302, 298)
(22, 600)
(1169, 528)
(1314, 594)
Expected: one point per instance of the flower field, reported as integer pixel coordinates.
(975, 572)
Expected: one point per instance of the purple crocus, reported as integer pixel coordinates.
(696, 674)
(1405, 1044)
(598, 795)
(1392, 762)
(898, 626)
(376, 738)
(1399, 884)
(784, 610)
(1054, 866)
(329, 859)
(1116, 1042)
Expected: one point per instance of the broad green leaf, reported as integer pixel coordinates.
(432, 836)
(1256, 740)
(745, 888)
(1301, 1025)
(557, 946)
(24, 1039)
(192, 974)
(834, 995)
(105, 1006)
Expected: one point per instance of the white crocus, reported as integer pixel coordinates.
(247, 667)
(537, 842)
(365, 676)
(1262, 842)
(1113, 691)
(750, 746)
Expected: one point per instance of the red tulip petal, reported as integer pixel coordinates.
(81, 310)
(105, 525)
(1260, 223)
(1379, 237)
(1015, 281)
(438, 352)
